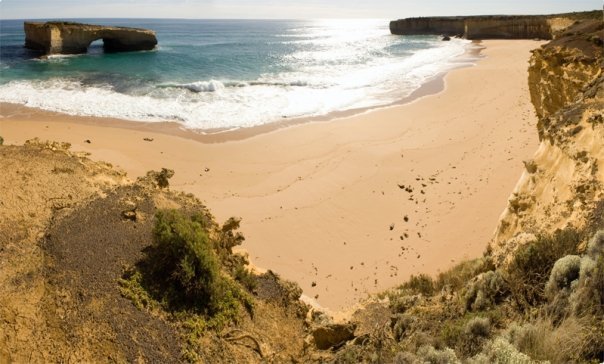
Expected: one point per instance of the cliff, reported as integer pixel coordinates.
(564, 181)
(74, 38)
(477, 27)
(431, 26)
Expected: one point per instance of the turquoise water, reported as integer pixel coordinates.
(209, 74)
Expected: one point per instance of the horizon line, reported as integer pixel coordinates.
(312, 18)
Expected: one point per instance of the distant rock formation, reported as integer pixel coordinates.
(477, 27)
(74, 38)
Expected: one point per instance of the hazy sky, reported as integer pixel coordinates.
(284, 9)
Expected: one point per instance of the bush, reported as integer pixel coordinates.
(468, 334)
(183, 254)
(595, 247)
(402, 325)
(161, 178)
(485, 291)
(183, 272)
(404, 357)
(563, 274)
(478, 327)
(433, 356)
(502, 352)
(457, 277)
(422, 283)
(235, 264)
(529, 269)
(588, 295)
(401, 302)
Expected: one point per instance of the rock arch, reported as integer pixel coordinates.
(75, 38)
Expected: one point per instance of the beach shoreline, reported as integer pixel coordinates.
(431, 86)
(314, 191)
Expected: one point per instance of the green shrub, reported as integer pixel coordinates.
(530, 267)
(422, 283)
(404, 357)
(564, 272)
(401, 302)
(1, 140)
(478, 327)
(433, 356)
(235, 264)
(588, 295)
(182, 272)
(183, 255)
(161, 178)
(457, 277)
(402, 326)
(469, 333)
(484, 291)
(595, 248)
(502, 352)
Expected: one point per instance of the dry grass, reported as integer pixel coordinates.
(564, 343)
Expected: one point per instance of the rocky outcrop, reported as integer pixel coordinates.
(477, 27)
(333, 335)
(74, 38)
(564, 181)
(559, 70)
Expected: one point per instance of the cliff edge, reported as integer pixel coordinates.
(74, 38)
(564, 180)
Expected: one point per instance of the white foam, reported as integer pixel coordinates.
(316, 89)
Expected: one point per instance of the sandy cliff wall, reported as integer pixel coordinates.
(564, 181)
(477, 27)
(74, 38)
(435, 26)
(508, 28)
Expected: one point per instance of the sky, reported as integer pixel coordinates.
(280, 9)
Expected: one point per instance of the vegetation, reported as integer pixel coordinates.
(191, 273)
(546, 304)
(530, 269)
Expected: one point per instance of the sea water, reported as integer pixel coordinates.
(225, 74)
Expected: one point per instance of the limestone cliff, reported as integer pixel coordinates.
(431, 26)
(477, 27)
(564, 181)
(74, 38)
(492, 26)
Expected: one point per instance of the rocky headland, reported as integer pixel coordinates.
(74, 38)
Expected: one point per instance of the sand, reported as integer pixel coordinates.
(326, 203)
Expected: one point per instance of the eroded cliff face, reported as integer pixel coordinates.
(477, 27)
(564, 181)
(559, 70)
(432, 25)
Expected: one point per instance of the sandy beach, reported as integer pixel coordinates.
(354, 205)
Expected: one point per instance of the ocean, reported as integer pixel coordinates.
(227, 74)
